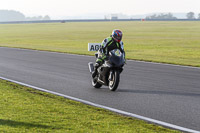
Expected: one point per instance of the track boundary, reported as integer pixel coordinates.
(129, 60)
(165, 124)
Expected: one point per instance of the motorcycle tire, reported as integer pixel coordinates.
(113, 84)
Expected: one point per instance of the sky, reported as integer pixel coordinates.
(60, 8)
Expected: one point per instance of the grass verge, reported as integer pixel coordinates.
(166, 42)
(24, 109)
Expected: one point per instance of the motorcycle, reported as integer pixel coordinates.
(108, 73)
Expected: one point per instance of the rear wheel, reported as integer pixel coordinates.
(95, 84)
(114, 82)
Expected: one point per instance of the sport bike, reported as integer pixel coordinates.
(108, 73)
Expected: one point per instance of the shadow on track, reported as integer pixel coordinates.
(21, 124)
(160, 92)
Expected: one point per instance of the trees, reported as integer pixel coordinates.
(161, 16)
(190, 15)
(11, 15)
(46, 18)
(35, 18)
(199, 16)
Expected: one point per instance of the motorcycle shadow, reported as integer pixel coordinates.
(159, 92)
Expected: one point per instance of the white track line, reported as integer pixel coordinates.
(108, 108)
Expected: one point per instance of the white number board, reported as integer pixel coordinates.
(94, 46)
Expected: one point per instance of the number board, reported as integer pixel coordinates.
(94, 46)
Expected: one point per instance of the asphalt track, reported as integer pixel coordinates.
(167, 93)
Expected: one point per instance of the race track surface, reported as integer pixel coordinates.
(167, 93)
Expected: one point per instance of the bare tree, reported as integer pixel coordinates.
(190, 15)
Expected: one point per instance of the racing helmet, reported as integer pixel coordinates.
(117, 35)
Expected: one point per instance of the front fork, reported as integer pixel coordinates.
(111, 75)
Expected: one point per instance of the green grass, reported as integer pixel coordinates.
(24, 109)
(168, 42)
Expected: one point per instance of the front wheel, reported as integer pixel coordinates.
(114, 82)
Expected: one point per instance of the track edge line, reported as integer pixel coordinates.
(165, 124)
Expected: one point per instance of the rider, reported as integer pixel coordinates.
(110, 43)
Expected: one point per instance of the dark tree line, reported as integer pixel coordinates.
(191, 15)
(161, 16)
(38, 18)
(11, 15)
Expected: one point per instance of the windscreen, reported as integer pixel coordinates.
(116, 57)
(116, 52)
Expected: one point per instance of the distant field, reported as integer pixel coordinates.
(168, 42)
